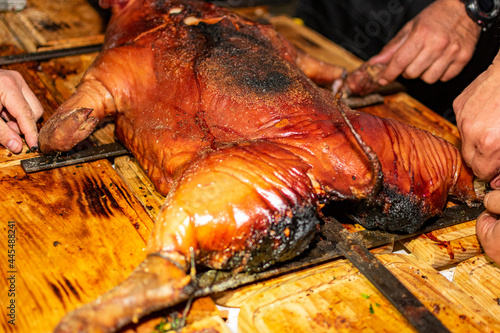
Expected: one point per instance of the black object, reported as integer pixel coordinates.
(90, 154)
(47, 55)
(483, 12)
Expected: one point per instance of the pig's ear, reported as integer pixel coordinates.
(113, 3)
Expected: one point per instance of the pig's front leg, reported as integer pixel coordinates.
(76, 118)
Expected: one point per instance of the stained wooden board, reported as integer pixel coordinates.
(78, 233)
(479, 277)
(45, 25)
(211, 324)
(139, 184)
(339, 299)
(446, 246)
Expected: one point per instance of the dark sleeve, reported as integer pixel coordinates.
(360, 26)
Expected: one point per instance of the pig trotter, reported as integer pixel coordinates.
(360, 82)
(63, 132)
(157, 282)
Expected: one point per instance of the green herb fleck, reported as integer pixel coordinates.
(172, 322)
(371, 309)
(162, 327)
(365, 296)
(176, 323)
(377, 305)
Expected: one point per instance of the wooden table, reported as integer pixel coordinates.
(80, 230)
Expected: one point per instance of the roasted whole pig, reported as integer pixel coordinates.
(225, 118)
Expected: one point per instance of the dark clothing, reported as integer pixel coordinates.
(365, 26)
(360, 26)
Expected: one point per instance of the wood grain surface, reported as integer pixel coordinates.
(446, 246)
(479, 277)
(338, 299)
(78, 231)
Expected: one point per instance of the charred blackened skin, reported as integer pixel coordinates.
(402, 215)
(238, 61)
(289, 235)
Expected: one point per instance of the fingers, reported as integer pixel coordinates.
(412, 56)
(484, 166)
(488, 233)
(435, 45)
(27, 121)
(477, 110)
(492, 202)
(495, 183)
(438, 58)
(394, 44)
(32, 100)
(481, 150)
(448, 65)
(426, 66)
(9, 138)
(21, 111)
(21, 106)
(398, 55)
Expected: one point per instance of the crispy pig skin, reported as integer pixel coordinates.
(220, 113)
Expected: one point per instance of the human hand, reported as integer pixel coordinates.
(19, 112)
(488, 226)
(477, 111)
(435, 45)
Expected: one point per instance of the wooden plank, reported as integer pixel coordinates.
(446, 246)
(61, 76)
(7, 40)
(139, 184)
(454, 232)
(23, 36)
(479, 277)
(78, 233)
(47, 25)
(339, 299)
